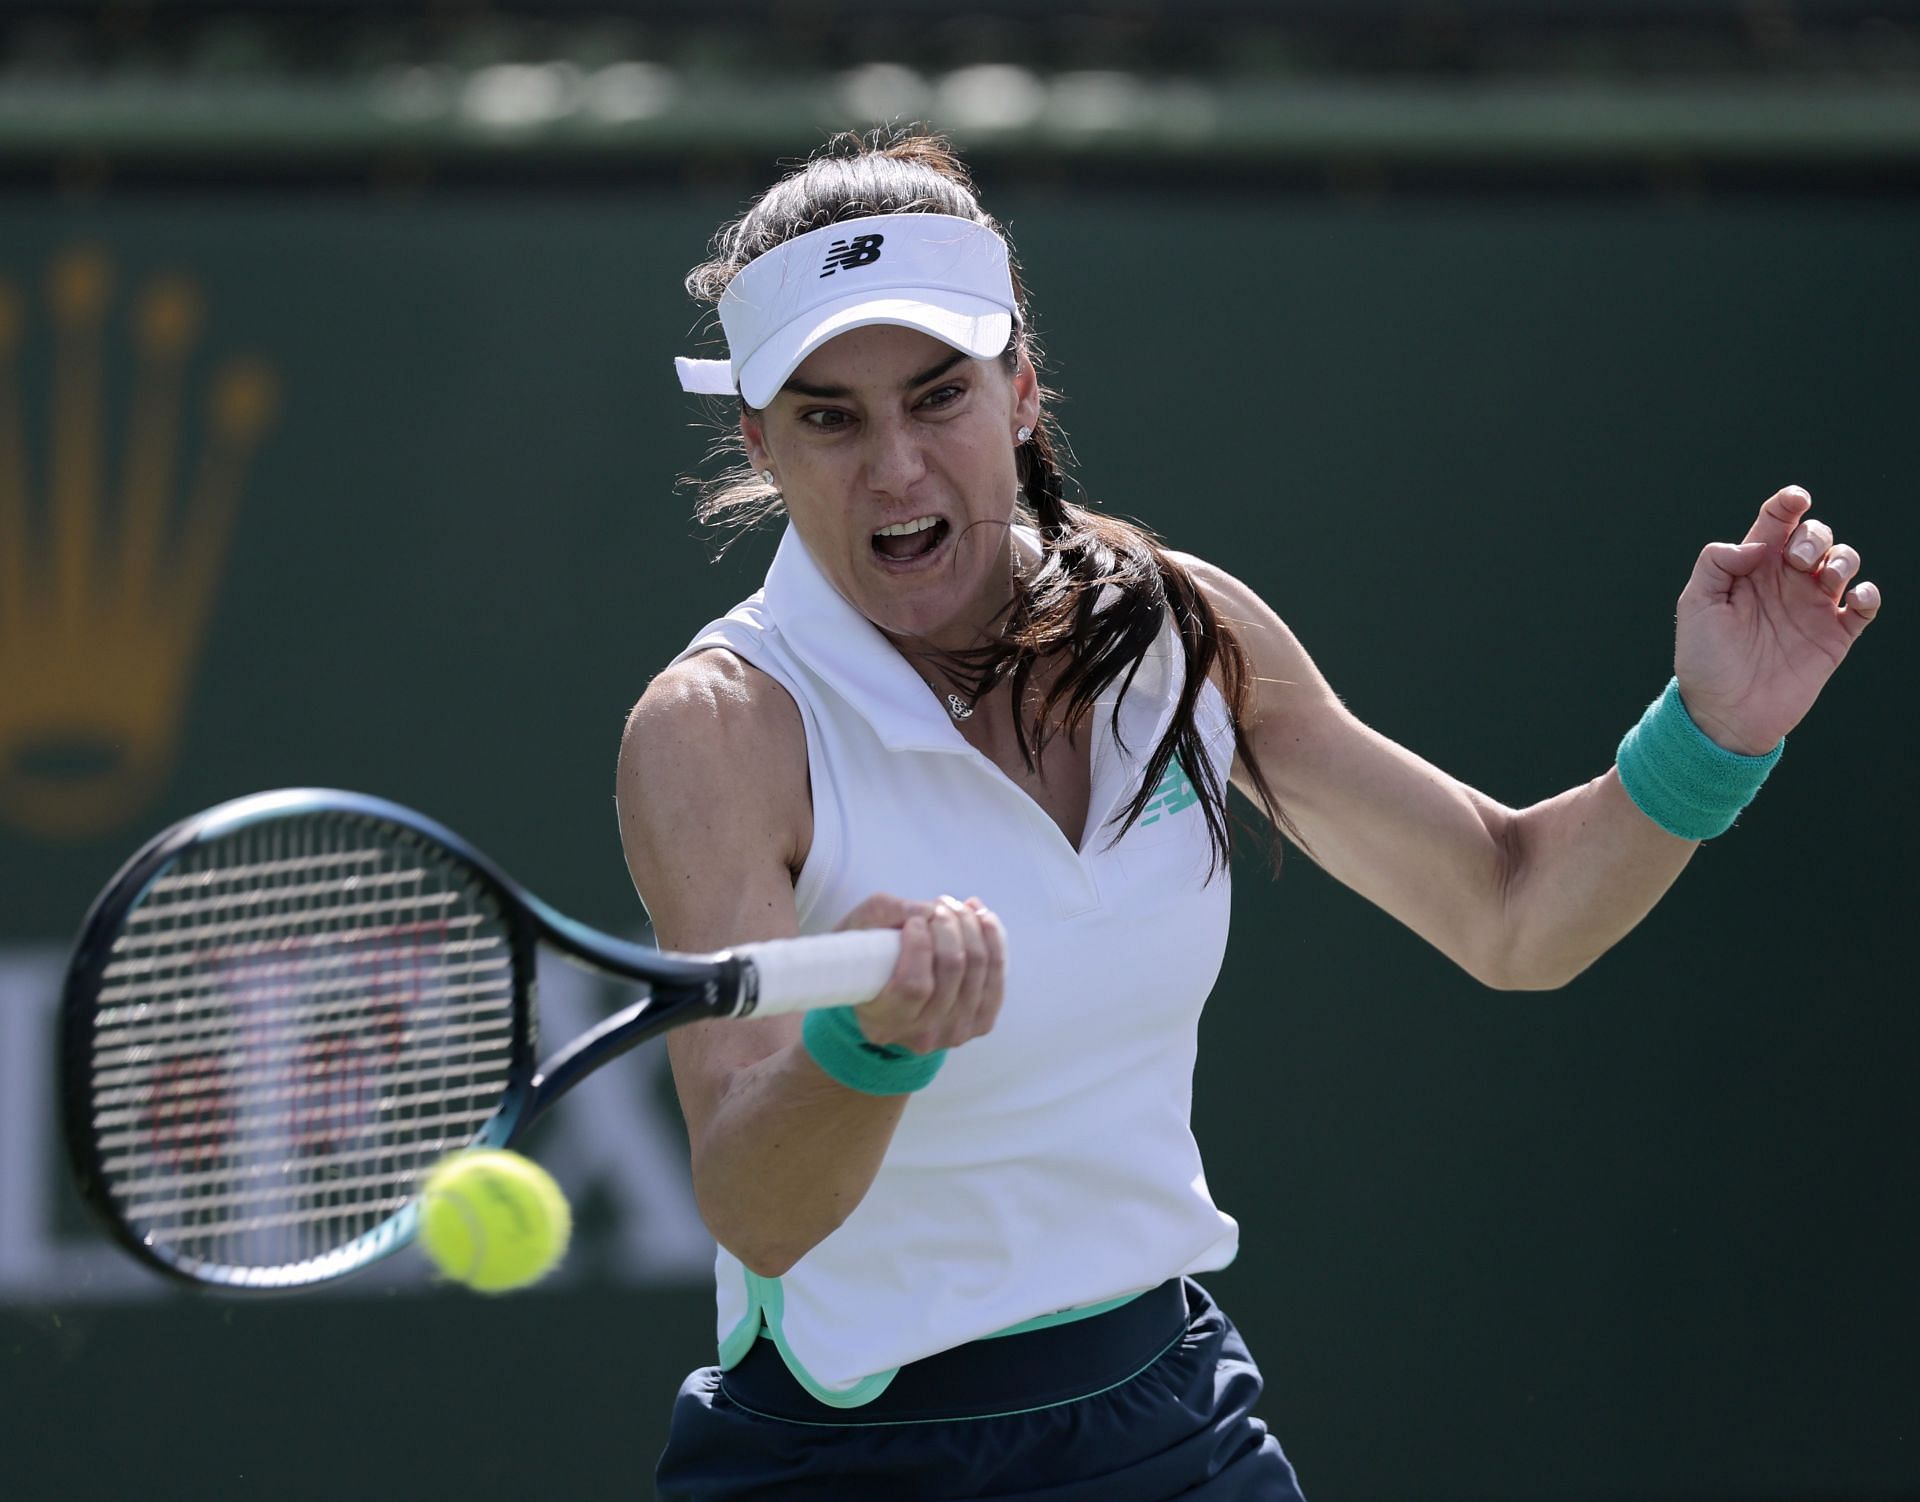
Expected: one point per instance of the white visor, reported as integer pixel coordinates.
(945, 276)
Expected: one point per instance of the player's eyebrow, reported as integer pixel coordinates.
(828, 393)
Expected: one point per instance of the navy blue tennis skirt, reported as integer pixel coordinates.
(1150, 1401)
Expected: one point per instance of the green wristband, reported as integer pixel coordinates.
(1683, 780)
(833, 1040)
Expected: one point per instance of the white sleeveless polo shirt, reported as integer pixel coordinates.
(1051, 1164)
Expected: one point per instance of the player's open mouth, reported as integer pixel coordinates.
(910, 541)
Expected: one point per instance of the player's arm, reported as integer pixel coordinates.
(1522, 899)
(715, 819)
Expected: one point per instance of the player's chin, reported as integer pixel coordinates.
(914, 604)
(923, 615)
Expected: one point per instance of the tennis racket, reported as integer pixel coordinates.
(286, 1009)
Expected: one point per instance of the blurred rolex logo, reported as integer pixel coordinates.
(120, 477)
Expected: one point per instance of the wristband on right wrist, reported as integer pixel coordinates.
(833, 1040)
(1681, 778)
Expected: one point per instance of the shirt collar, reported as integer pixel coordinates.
(855, 658)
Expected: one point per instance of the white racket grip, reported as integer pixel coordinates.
(824, 970)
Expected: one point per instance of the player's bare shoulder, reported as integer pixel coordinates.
(717, 699)
(1268, 641)
(1290, 699)
(1228, 595)
(714, 754)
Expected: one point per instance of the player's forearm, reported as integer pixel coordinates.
(1582, 870)
(785, 1156)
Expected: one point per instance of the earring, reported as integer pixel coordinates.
(767, 475)
(1023, 435)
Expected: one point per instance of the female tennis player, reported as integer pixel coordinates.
(959, 1226)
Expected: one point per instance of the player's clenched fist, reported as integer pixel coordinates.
(952, 970)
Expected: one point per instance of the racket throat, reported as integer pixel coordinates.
(721, 994)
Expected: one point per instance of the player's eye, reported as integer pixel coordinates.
(943, 396)
(827, 419)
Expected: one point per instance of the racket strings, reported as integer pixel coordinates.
(297, 1020)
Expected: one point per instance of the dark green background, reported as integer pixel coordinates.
(1652, 1236)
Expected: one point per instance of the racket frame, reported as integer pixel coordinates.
(718, 985)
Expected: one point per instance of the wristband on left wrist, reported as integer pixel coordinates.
(1681, 778)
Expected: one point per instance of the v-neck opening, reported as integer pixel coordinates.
(1104, 799)
(855, 658)
(1076, 847)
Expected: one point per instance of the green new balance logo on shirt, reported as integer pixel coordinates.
(1174, 793)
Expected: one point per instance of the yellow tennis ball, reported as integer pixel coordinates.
(493, 1220)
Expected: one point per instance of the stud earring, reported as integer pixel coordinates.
(767, 475)
(1023, 435)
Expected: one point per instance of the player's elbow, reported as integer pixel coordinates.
(767, 1243)
(1508, 957)
(1520, 979)
(1514, 965)
(764, 1256)
(1510, 948)
(766, 1262)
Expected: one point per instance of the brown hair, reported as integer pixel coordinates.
(1084, 554)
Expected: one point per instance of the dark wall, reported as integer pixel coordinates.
(1652, 1236)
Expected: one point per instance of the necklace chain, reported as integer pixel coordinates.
(962, 708)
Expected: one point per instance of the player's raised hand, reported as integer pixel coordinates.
(948, 983)
(1763, 623)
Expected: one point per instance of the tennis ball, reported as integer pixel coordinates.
(493, 1220)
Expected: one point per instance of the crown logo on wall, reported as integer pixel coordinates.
(108, 573)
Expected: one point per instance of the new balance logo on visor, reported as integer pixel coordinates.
(861, 250)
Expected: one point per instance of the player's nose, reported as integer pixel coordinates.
(896, 458)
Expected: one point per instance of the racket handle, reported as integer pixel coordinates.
(825, 970)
